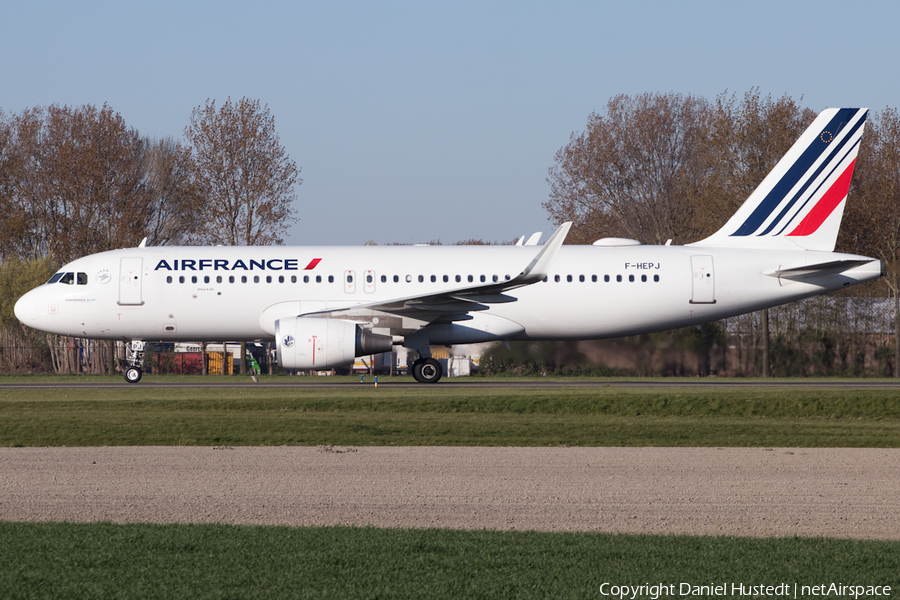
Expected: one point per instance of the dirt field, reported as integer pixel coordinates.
(748, 492)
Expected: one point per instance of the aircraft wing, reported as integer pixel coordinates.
(454, 304)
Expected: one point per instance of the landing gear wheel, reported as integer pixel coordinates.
(135, 361)
(427, 371)
(132, 374)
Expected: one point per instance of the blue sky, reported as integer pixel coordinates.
(416, 121)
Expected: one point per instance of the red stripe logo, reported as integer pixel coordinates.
(312, 264)
(826, 205)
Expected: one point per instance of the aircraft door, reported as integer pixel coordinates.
(703, 285)
(350, 282)
(369, 280)
(130, 272)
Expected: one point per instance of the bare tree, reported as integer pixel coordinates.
(79, 180)
(872, 220)
(633, 171)
(168, 172)
(243, 174)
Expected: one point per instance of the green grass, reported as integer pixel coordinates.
(354, 414)
(44, 560)
(214, 561)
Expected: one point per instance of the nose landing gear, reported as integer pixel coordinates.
(135, 361)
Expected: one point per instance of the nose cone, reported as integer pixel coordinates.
(26, 309)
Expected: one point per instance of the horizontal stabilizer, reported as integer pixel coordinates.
(827, 268)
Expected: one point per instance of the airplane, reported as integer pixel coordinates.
(323, 306)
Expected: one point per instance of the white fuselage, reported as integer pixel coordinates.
(237, 293)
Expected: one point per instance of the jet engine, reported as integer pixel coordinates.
(311, 343)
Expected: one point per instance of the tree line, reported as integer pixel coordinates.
(79, 180)
(655, 167)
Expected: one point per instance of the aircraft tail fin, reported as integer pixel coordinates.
(801, 201)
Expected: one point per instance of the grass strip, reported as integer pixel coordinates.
(451, 415)
(217, 561)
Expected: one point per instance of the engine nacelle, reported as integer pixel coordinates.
(310, 343)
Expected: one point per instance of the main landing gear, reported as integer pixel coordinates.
(135, 361)
(427, 370)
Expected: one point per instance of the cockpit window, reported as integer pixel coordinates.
(55, 277)
(82, 279)
(68, 278)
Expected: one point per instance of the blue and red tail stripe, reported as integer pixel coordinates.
(802, 171)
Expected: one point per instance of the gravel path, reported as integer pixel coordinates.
(733, 491)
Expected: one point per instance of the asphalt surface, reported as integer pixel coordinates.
(299, 383)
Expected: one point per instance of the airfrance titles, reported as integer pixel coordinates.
(223, 264)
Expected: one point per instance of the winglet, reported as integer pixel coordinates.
(538, 267)
(534, 239)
